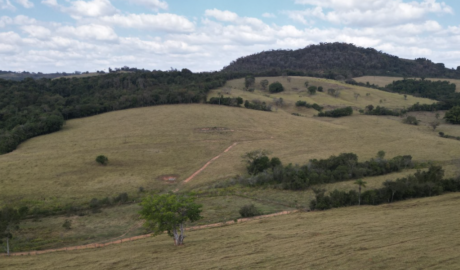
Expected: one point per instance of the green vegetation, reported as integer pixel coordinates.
(170, 212)
(9, 222)
(264, 171)
(249, 210)
(101, 159)
(275, 87)
(380, 110)
(227, 101)
(453, 115)
(421, 184)
(315, 106)
(411, 120)
(35, 107)
(336, 61)
(347, 111)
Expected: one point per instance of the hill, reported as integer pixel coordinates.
(419, 233)
(337, 61)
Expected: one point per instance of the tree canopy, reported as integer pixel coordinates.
(169, 212)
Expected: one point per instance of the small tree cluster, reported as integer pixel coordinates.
(315, 106)
(347, 111)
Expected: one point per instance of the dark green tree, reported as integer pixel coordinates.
(276, 87)
(101, 159)
(249, 82)
(9, 222)
(453, 115)
(170, 212)
(312, 90)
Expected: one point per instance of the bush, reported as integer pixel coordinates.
(67, 224)
(121, 198)
(249, 210)
(276, 87)
(101, 159)
(411, 120)
(453, 115)
(347, 111)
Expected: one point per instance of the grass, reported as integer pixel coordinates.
(146, 143)
(415, 234)
(384, 81)
(118, 222)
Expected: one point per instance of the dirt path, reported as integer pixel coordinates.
(100, 245)
(207, 164)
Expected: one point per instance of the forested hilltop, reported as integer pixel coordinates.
(31, 107)
(338, 61)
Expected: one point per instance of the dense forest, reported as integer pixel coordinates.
(31, 107)
(337, 61)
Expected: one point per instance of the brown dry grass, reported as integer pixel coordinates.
(383, 81)
(144, 143)
(416, 234)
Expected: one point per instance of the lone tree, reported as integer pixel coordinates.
(276, 87)
(101, 159)
(9, 221)
(264, 84)
(434, 124)
(169, 212)
(312, 90)
(360, 183)
(249, 82)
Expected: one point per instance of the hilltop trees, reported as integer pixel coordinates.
(170, 212)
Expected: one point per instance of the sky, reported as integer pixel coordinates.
(206, 35)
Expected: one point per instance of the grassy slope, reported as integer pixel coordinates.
(416, 234)
(143, 144)
(383, 81)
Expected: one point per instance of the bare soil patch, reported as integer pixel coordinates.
(169, 178)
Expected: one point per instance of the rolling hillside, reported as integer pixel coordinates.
(416, 234)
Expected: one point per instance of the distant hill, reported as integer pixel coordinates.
(337, 61)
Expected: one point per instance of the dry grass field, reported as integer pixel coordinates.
(144, 144)
(415, 234)
(383, 81)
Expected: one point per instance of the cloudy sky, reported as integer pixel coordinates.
(206, 35)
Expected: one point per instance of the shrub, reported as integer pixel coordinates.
(276, 87)
(453, 115)
(249, 210)
(121, 198)
(67, 224)
(411, 120)
(320, 89)
(101, 159)
(347, 111)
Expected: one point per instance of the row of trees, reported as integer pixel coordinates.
(305, 104)
(340, 112)
(421, 184)
(265, 171)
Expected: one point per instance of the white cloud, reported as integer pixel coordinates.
(162, 21)
(6, 4)
(81, 9)
(367, 13)
(36, 31)
(225, 16)
(268, 15)
(25, 3)
(152, 4)
(89, 32)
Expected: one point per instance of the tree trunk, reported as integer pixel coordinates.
(8, 246)
(359, 200)
(179, 236)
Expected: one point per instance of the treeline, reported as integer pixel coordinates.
(380, 110)
(315, 106)
(421, 184)
(437, 90)
(265, 171)
(340, 112)
(337, 61)
(34, 107)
